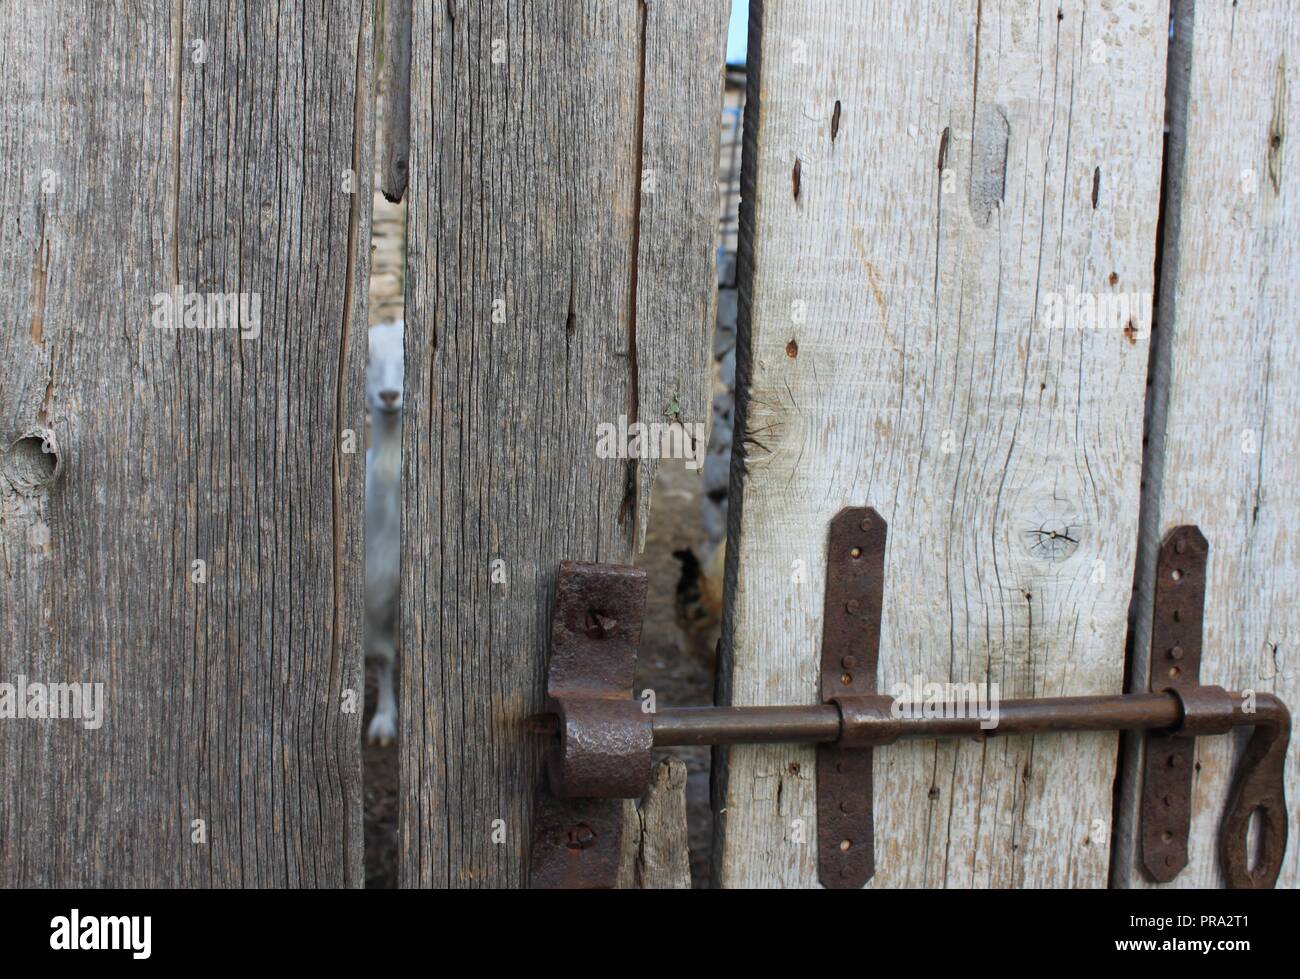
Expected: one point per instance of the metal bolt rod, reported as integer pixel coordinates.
(821, 722)
(745, 725)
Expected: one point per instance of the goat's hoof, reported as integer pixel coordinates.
(383, 730)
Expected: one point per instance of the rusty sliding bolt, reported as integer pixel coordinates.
(601, 740)
(1257, 784)
(872, 721)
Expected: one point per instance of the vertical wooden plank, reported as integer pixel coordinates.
(395, 88)
(521, 338)
(1226, 385)
(522, 199)
(677, 227)
(656, 848)
(925, 186)
(200, 147)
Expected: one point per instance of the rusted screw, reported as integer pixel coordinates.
(844, 807)
(1176, 652)
(581, 837)
(600, 626)
(867, 524)
(852, 606)
(1175, 761)
(1180, 545)
(848, 662)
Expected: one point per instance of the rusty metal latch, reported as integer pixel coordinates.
(602, 740)
(602, 744)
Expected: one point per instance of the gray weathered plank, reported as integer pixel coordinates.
(1226, 385)
(677, 296)
(200, 145)
(656, 852)
(919, 181)
(394, 87)
(524, 196)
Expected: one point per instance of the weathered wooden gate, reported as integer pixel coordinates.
(932, 197)
(981, 292)
(581, 289)
(193, 540)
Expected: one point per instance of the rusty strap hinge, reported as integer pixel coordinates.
(602, 739)
(1169, 757)
(855, 592)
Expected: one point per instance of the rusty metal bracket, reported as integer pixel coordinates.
(601, 745)
(602, 741)
(855, 588)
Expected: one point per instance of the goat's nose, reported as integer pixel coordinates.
(389, 398)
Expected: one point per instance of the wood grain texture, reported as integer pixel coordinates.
(520, 339)
(656, 853)
(677, 229)
(918, 181)
(1226, 389)
(132, 160)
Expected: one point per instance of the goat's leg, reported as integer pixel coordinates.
(383, 726)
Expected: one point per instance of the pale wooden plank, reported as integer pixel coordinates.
(524, 199)
(893, 352)
(1226, 419)
(218, 166)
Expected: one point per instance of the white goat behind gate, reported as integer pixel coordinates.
(384, 375)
